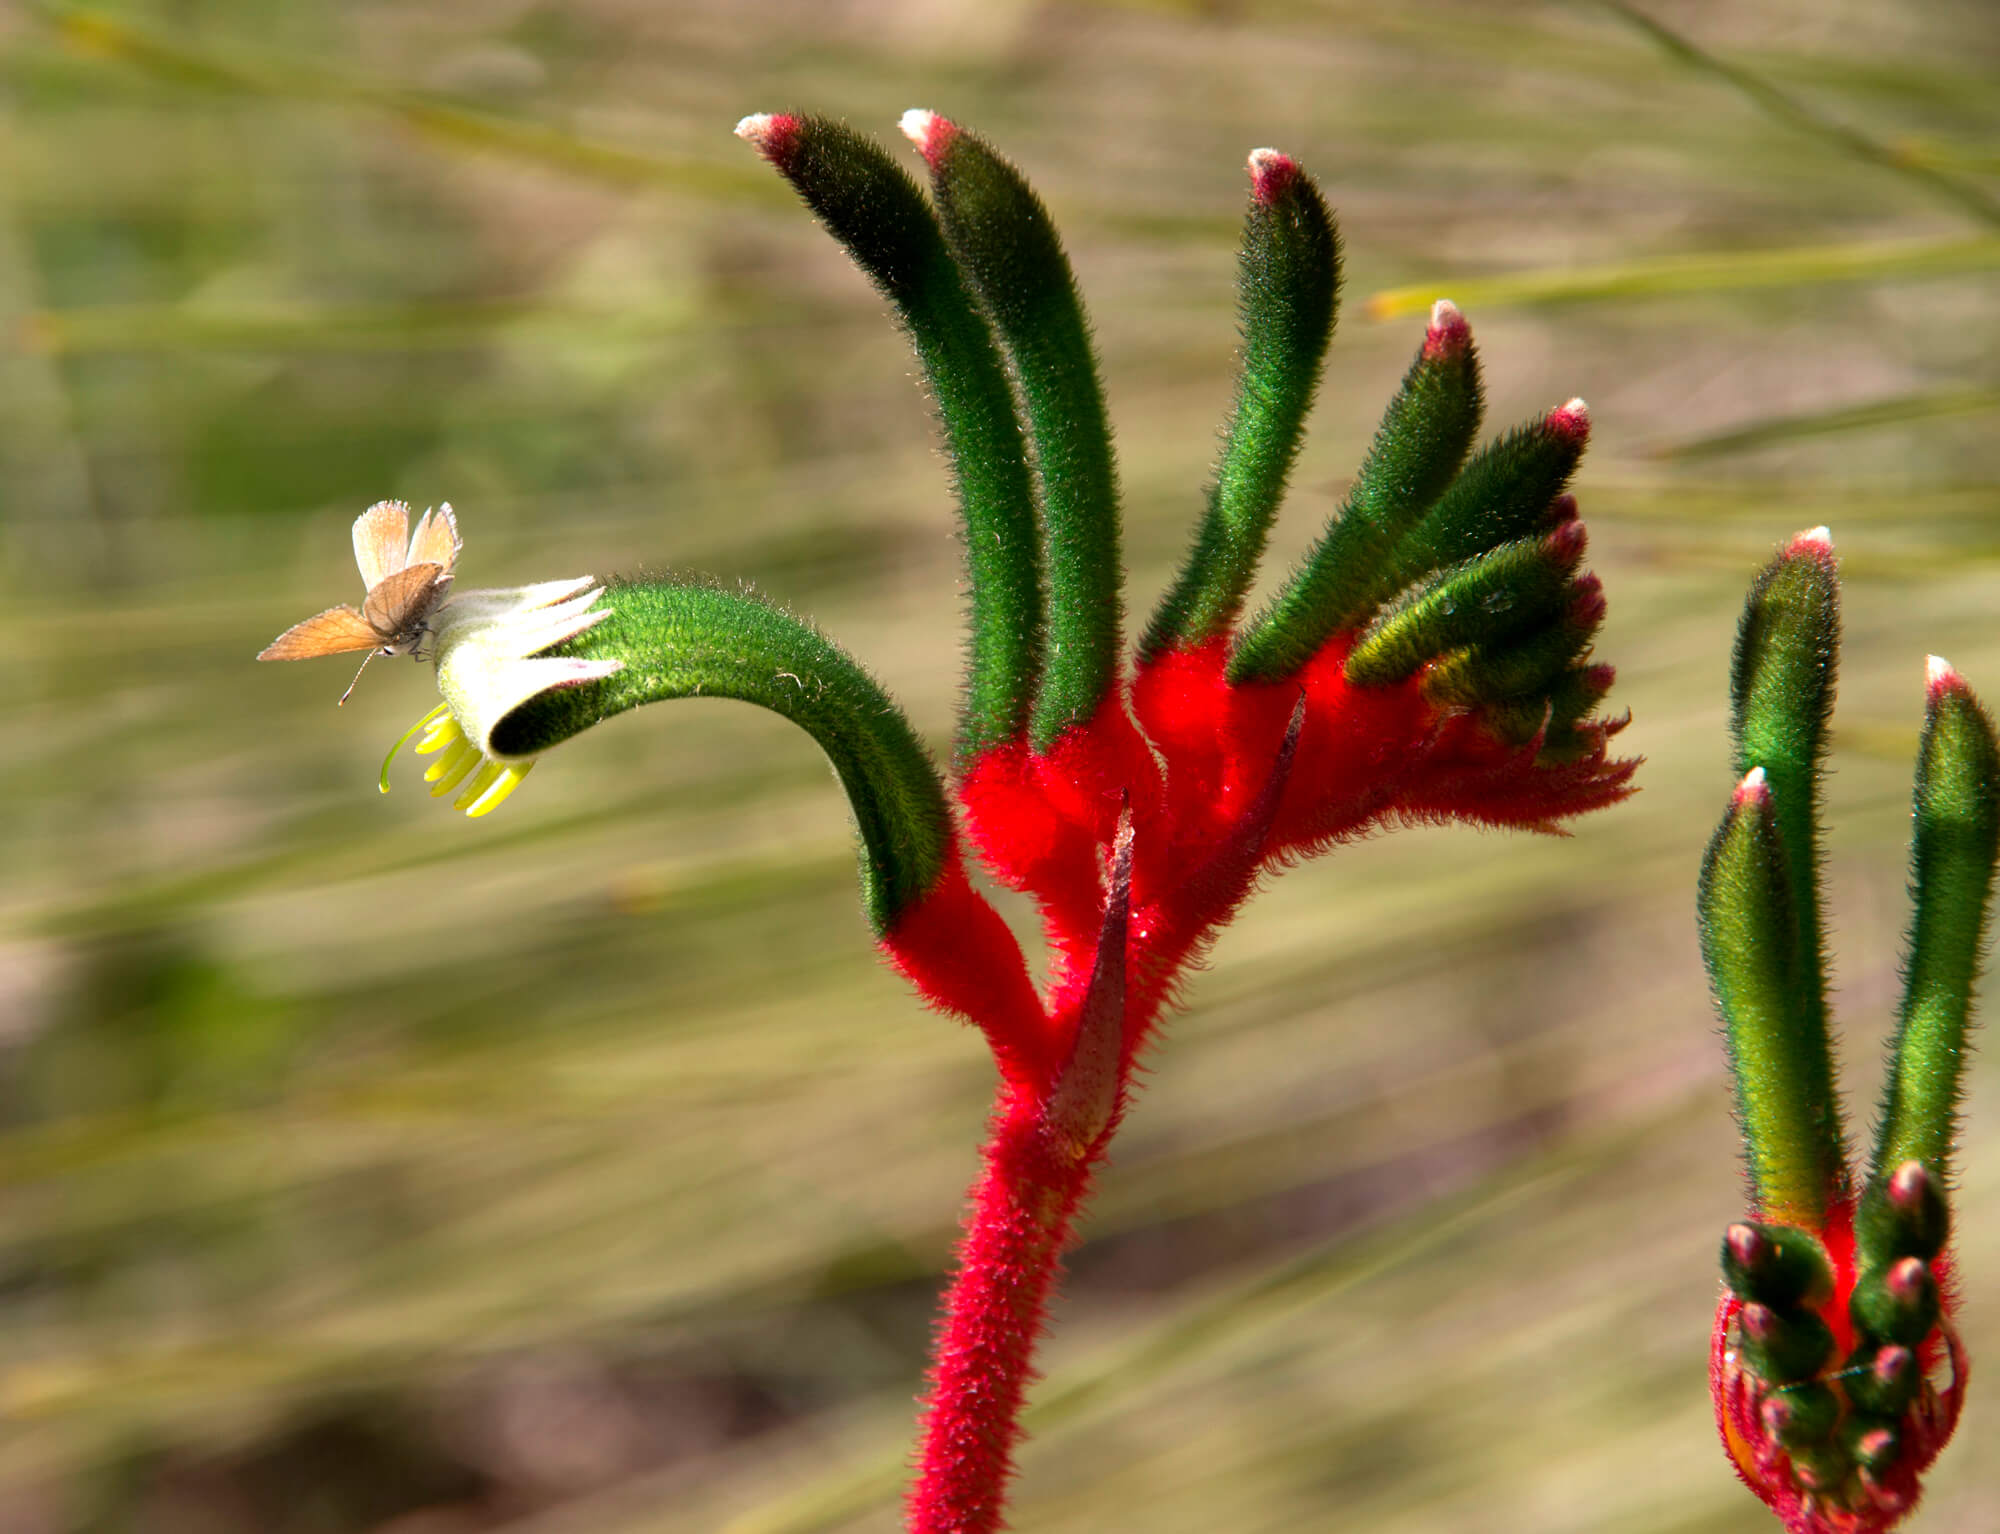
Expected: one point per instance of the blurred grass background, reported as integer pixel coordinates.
(364, 1168)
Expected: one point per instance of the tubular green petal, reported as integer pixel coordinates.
(1957, 814)
(1781, 695)
(1523, 666)
(1487, 600)
(1288, 288)
(1780, 1059)
(681, 641)
(1505, 493)
(874, 208)
(1423, 439)
(1555, 713)
(1008, 248)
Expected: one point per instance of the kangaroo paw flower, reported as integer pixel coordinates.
(1837, 1372)
(1430, 659)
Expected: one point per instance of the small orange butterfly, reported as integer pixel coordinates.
(408, 576)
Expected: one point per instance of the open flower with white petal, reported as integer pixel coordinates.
(490, 662)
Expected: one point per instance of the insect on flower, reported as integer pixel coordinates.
(408, 576)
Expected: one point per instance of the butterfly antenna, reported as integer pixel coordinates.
(357, 677)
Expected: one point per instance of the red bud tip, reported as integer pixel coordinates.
(1808, 1474)
(1911, 1181)
(1892, 1363)
(1940, 677)
(933, 135)
(1562, 509)
(1877, 1446)
(1753, 790)
(1566, 544)
(774, 135)
(1891, 1499)
(1908, 1280)
(1759, 1322)
(1817, 541)
(1746, 1243)
(1271, 175)
(1587, 606)
(1600, 677)
(1777, 1413)
(1449, 334)
(1571, 421)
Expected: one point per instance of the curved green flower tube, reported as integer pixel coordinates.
(685, 641)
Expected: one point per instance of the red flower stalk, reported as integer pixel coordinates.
(1429, 660)
(1837, 1373)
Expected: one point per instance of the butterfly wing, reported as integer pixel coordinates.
(397, 607)
(436, 539)
(381, 541)
(337, 631)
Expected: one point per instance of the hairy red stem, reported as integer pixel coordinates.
(1023, 1210)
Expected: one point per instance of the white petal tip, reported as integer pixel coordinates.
(1820, 537)
(754, 127)
(916, 125)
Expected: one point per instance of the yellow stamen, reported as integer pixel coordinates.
(460, 749)
(403, 740)
(504, 785)
(456, 775)
(481, 781)
(443, 732)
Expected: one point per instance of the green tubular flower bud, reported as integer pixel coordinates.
(1898, 1303)
(1505, 492)
(1556, 715)
(1902, 1215)
(1422, 441)
(1516, 588)
(1776, 1265)
(1802, 1415)
(1874, 1442)
(1823, 1467)
(1527, 665)
(1781, 1064)
(1288, 283)
(682, 641)
(1957, 814)
(1781, 694)
(1784, 1347)
(1882, 1378)
(873, 207)
(1008, 248)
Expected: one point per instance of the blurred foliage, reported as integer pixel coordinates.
(366, 1169)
